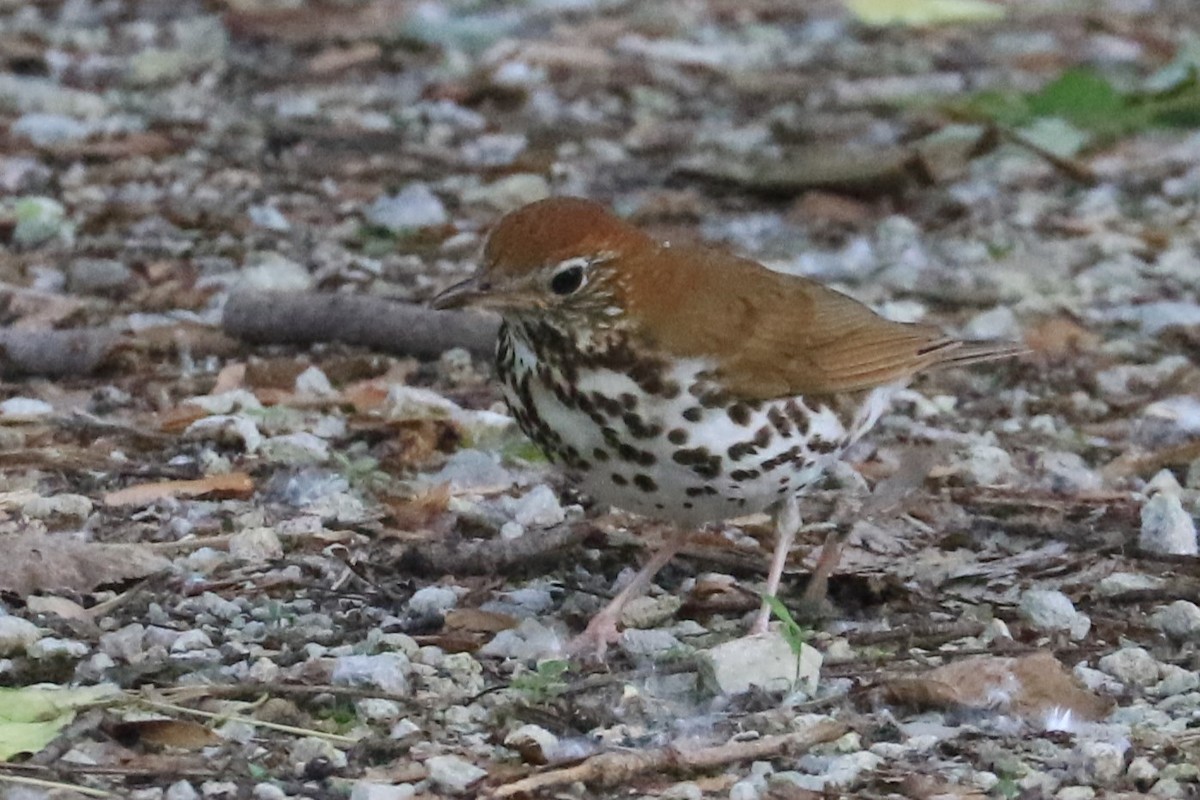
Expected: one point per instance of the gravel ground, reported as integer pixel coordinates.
(318, 570)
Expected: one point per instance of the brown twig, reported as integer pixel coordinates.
(494, 556)
(375, 322)
(618, 768)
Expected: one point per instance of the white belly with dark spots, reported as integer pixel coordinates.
(711, 468)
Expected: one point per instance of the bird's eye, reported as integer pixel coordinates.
(567, 280)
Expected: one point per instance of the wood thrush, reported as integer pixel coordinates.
(684, 383)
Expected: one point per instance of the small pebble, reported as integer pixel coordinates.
(453, 774)
(1179, 620)
(1167, 528)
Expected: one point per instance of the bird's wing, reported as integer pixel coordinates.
(774, 335)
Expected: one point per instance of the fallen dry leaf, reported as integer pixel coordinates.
(1036, 687)
(180, 733)
(35, 562)
(235, 484)
(476, 620)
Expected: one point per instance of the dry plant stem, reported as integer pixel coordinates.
(44, 784)
(494, 556)
(831, 554)
(787, 525)
(375, 322)
(615, 769)
(55, 353)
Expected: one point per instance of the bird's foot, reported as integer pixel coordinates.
(601, 631)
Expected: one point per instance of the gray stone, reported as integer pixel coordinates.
(256, 545)
(1142, 770)
(53, 647)
(473, 469)
(1179, 620)
(1121, 582)
(532, 739)
(1099, 763)
(97, 275)
(453, 774)
(1131, 665)
(386, 671)
(1067, 473)
(125, 644)
(413, 208)
(648, 643)
(45, 130)
(1075, 793)
(432, 600)
(295, 449)
(766, 661)
(1167, 787)
(1166, 527)
(16, 634)
(1053, 610)
(1176, 681)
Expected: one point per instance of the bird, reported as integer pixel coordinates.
(683, 382)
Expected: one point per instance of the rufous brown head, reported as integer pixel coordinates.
(555, 255)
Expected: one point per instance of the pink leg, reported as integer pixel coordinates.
(787, 525)
(601, 630)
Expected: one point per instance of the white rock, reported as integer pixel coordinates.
(988, 465)
(1180, 620)
(1075, 793)
(16, 634)
(529, 640)
(386, 671)
(432, 600)
(273, 272)
(125, 644)
(1053, 610)
(181, 790)
(256, 545)
(56, 505)
(1166, 527)
(453, 774)
(997, 323)
(367, 790)
(313, 382)
(473, 469)
(538, 508)
(269, 218)
(766, 661)
(193, 639)
(1131, 665)
(227, 429)
(509, 192)
(414, 207)
(24, 409)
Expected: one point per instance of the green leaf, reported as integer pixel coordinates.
(1081, 97)
(923, 12)
(31, 717)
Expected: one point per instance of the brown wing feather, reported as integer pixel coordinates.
(776, 335)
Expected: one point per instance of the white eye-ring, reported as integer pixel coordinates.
(570, 276)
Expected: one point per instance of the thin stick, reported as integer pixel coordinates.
(619, 768)
(275, 726)
(44, 784)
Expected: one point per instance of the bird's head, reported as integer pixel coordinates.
(558, 257)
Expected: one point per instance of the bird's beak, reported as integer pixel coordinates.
(470, 292)
(481, 292)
